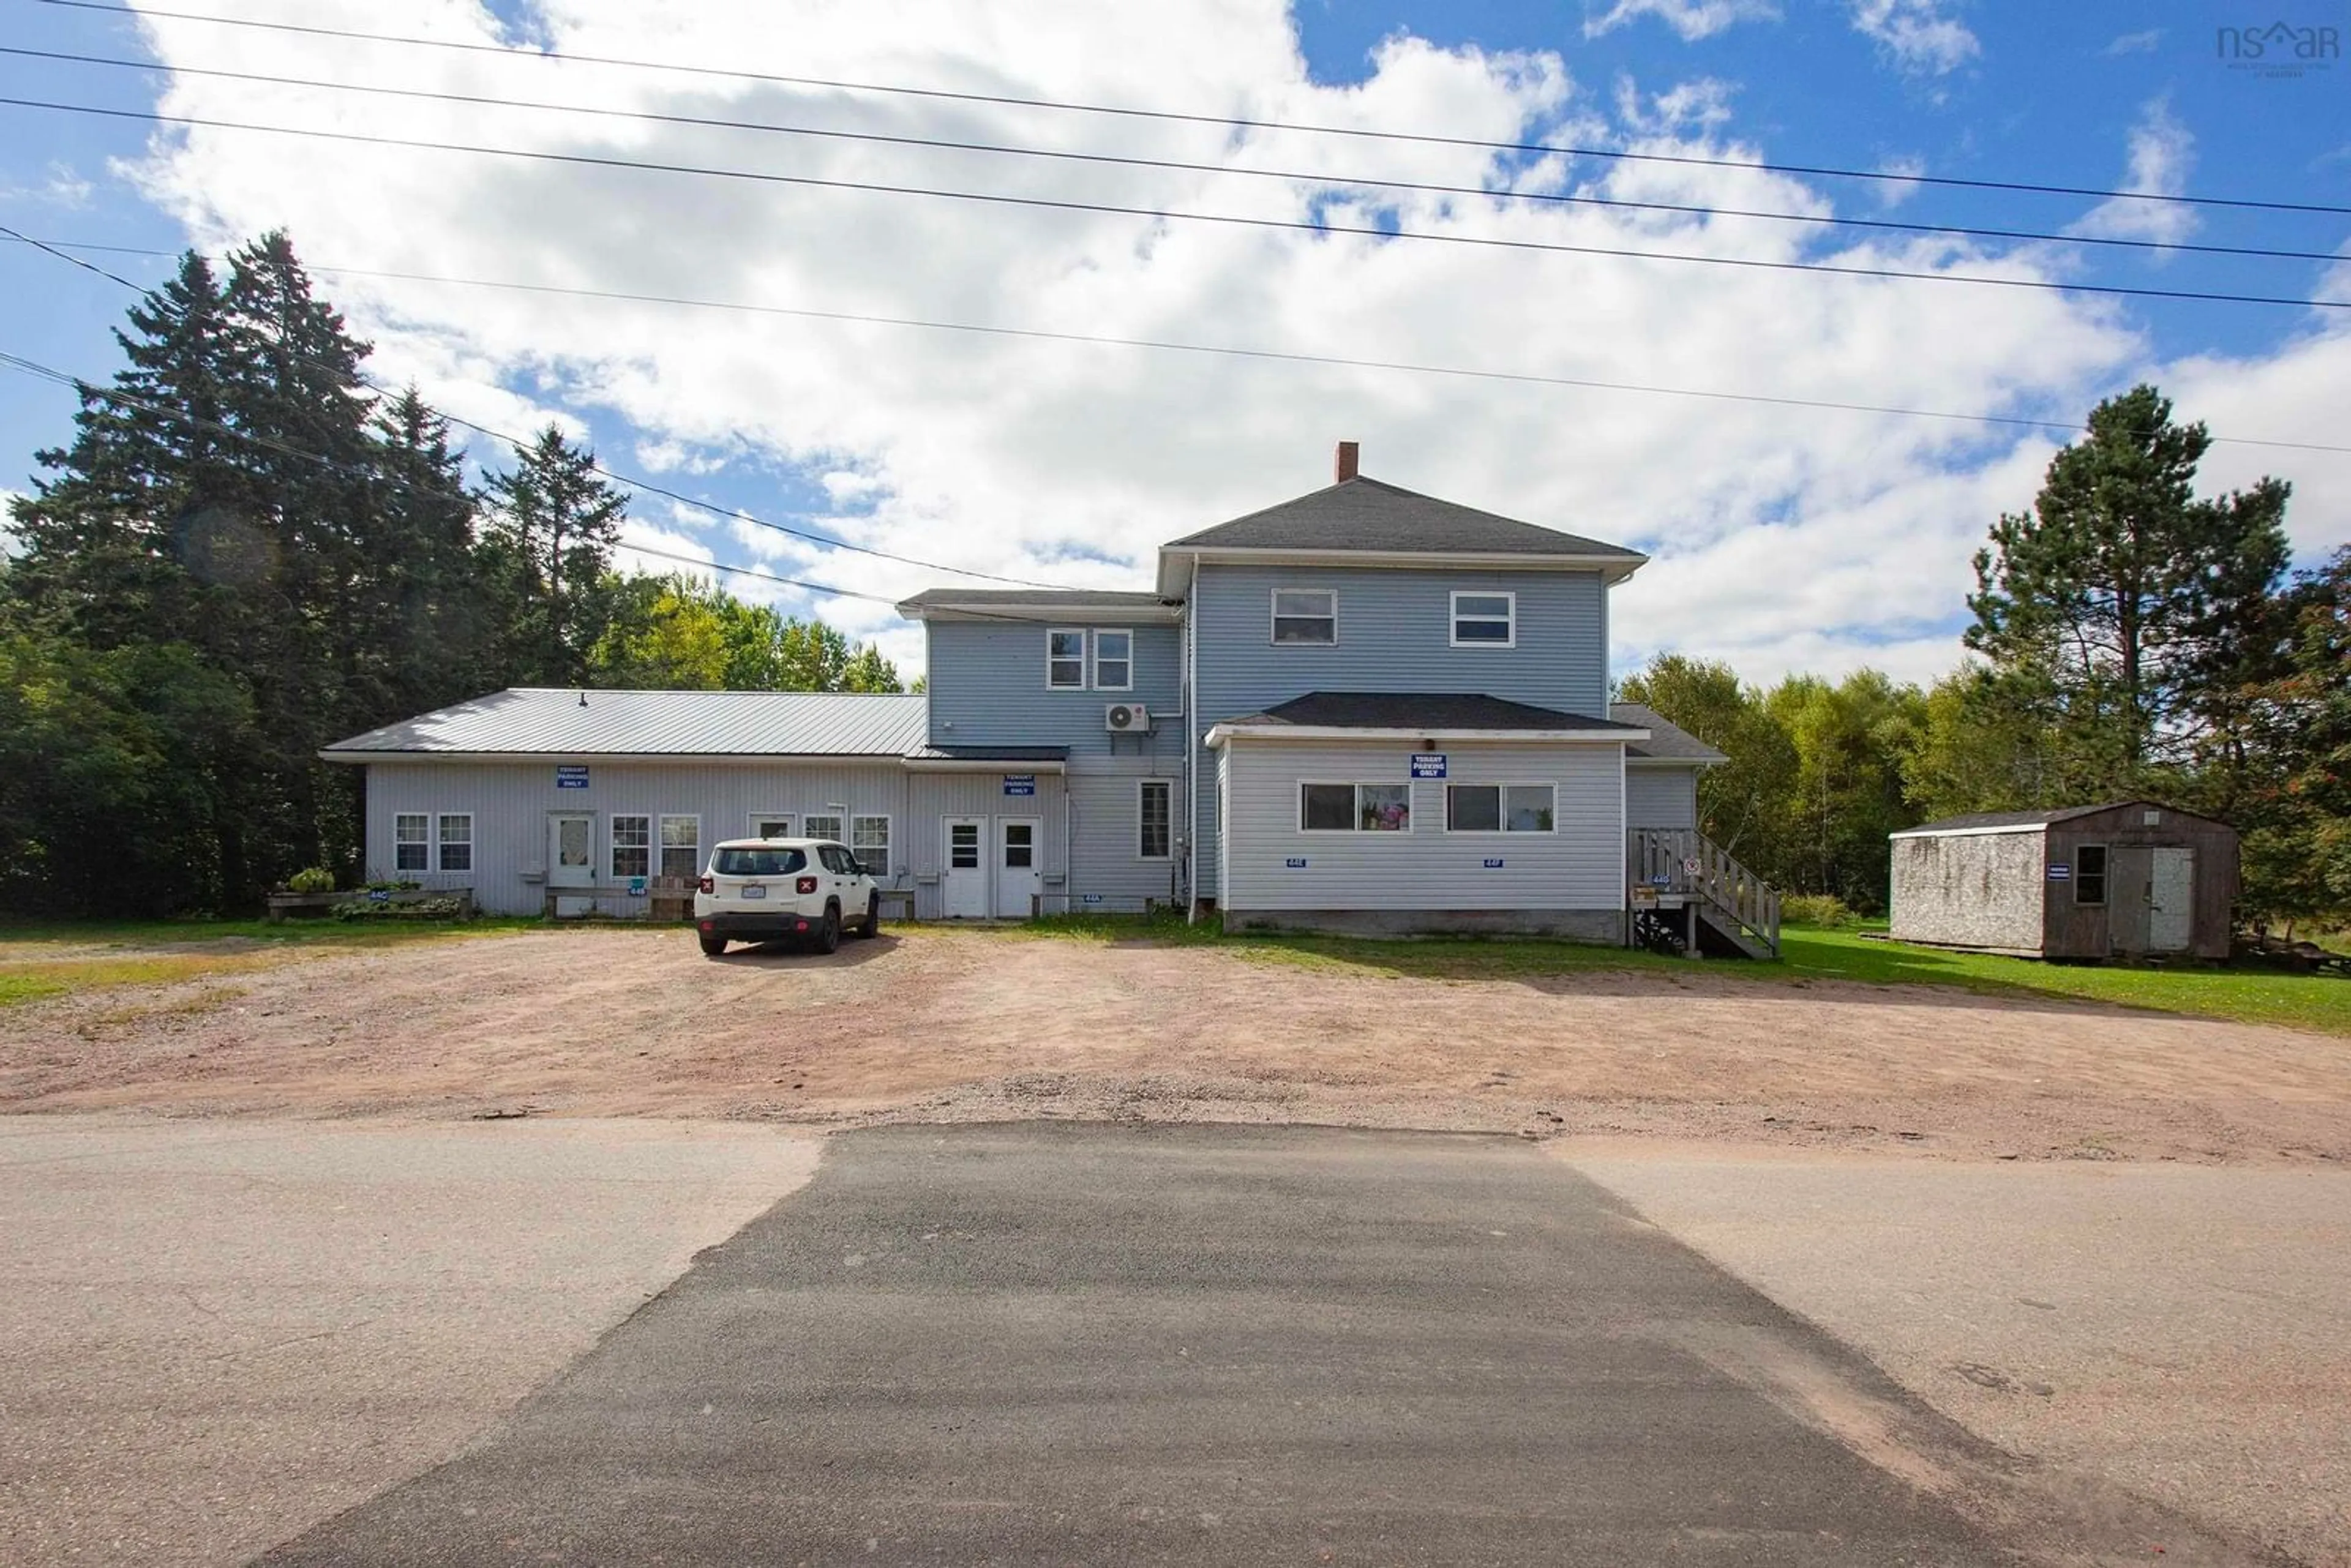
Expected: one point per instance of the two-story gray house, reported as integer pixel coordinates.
(1361, 709)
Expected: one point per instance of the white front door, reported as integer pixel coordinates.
(963, 890)
(2171, 901)
(1019, 876)
(570, 849)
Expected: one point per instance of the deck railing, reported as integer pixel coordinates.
(1686, 863)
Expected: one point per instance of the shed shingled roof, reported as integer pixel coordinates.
(1980, 822)
(547, 721)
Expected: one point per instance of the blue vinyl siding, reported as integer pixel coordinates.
(987, 688)
(1395, 635)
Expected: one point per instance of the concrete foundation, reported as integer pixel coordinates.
(1606, 926)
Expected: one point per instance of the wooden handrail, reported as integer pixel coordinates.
(1684, 862)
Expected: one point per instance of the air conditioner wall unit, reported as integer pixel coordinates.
(1127, 719)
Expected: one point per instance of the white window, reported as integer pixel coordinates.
(870, 838)
(771, 825)
(1306, 616)
(681, 847)
(1065, 660)
(457, 842)
(1485, 619)
(1115, 661)
(410, 851)
(822, 825)
(632, 847)
(1499, 808)
(1355, 808)
(1155, 820)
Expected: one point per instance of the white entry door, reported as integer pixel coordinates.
(2171, 901)
(963, 891)
(570, 849)
(1019, 876)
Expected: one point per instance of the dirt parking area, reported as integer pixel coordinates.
(975, 1025)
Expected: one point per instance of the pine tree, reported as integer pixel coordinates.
(547, 550)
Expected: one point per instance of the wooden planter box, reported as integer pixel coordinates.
(285, 907)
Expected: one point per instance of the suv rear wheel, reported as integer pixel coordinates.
(828, 930)
(712, 946)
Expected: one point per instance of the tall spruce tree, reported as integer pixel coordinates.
(2114, 608)
(546, 550)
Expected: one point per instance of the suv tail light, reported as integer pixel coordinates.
(805, 884)
(707, 885)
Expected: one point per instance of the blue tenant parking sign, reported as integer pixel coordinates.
(1428, 765)
(1020, 783)
(572, 775)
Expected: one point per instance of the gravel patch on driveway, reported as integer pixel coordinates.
(213, 1336)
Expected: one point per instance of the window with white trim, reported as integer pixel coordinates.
(1499, 808)
(1065, 660)
(1113, 661)
(821, 825)
(1485, 619)
(869, 838)
(681, 847)
(633, 845)
(1305, 617)
(411, 850)
(455, 845)
(1355, 808)
(773, 825)
(1155, 820)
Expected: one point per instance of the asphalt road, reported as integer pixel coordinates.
(1087, 1344)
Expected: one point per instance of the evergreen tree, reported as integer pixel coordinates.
(547, 552)
(2117, 600)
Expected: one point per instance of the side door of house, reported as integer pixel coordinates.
(2171, 900)
(570, 849)
(962, 882)
(1020, 878)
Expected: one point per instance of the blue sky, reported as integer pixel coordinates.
(1783, 539)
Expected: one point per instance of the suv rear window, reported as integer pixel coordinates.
(761, 862)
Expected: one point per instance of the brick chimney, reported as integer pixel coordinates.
(1344, 469)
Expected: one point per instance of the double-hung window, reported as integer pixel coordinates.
(870, 837)
(1499, 808)
(1485, 619)
(632, 846)
(1155, 819)
(1305, 617)
(409, 849)
(1065, 660)
(1113, 661)
(2089, 873)
(1355, 808)
(821, 825)
(681, 847)
(456, 840)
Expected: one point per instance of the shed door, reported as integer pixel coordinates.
(2171, 901)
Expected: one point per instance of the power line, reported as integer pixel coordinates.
(1177, 346)
(111, 394)
(1553, 198)
(1239, 122)
(646, 485)
(1162, 214)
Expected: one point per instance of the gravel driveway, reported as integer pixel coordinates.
(935, 1025)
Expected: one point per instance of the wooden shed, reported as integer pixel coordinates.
(2131, 879)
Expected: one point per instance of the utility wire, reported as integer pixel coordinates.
(646, 485)
(1162, 214)
(1553, 198)
(1174, 345)
(1539, 149)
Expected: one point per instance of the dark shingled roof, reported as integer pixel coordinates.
(1667, 742)
(1365, 515)
(1430, 711)
(2039, 819)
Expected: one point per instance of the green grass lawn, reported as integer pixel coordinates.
(2250, 996)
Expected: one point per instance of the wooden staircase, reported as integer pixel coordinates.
(1702, 897)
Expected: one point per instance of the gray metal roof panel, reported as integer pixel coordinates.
(1361, 514)
(1667, 742)
(1416, 710)
(536, 721)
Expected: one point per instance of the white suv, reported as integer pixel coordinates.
(758, 890)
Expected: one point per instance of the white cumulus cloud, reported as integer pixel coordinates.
(2162, 153)
(1921, 36)
(1693, 19)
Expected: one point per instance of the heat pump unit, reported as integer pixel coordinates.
(1127, 719)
